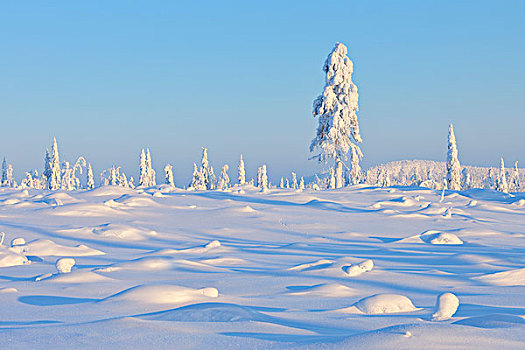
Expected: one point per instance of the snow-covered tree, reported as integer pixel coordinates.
(281, 183)
(466, 182)
(4, 173)
(490, 181)
(168, 175)
(131, 182)
(453, 166)
(54, 179)
(242, 172)
(294, 181)
(301, 184)
(336, 110)
(501, 180)
(28, 181)
(515, 178)
(90, 181)
(122, 179)
(287, 183)
(7, 175)
(224, 179)
(262, 178)
(143, 177)
(197, 181)
(150, 172)
(331, 181)
(147, 174)
(206, 170)
(47, 166)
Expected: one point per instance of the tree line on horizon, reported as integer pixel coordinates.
(336, 141)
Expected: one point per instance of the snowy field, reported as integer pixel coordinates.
(356, 268)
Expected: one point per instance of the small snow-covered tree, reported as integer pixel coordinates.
(197, 181)
(242, 172)
(287, 183)
(28, 181)
(4, 173)
(67, 183)
(224, 179)
(453, 166)
(131, 182)
(515, 178)
(501, 180)
(122, 179)
(336, 110)
(301, 184)
(90, 181)
(113, 176)
(294, 181)
(281, 183)
(47, 166)
(466, 182)
(206, 170)
(168, 175)
(150, 172)
(331, 180)
(262, 178)
(143, 177)
(490, 181)
(54, 180)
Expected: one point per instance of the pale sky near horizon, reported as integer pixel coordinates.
(108, 78)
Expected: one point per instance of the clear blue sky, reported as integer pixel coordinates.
(110, 77)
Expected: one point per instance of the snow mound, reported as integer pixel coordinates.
(122, 231)
(164, 294)
(46, 247)
(212, 245)
(11, 257)
(207, 312)
(514, 277)
(137, 201)
(58, 198)
(64, 265)
(141, 264)
(78, 276)
(437, 237)
(18, 241)
(319, 264)
(331, 290)
(385, 304)
(110, 191)
(8, 290)
(446, 306)
(493, 321)
(356, 270)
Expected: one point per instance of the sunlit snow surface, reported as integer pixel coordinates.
(357, 268)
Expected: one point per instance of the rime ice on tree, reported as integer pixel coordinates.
(453, 167)
(168, 175)
(501, 180)
(336, 110)
(242, 172)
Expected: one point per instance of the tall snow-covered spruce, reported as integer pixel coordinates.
(242, 172)
(336, 110)
(453, 167)
(54, 179)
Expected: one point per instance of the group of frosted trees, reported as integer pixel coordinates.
(336, 143)
(458, 179)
